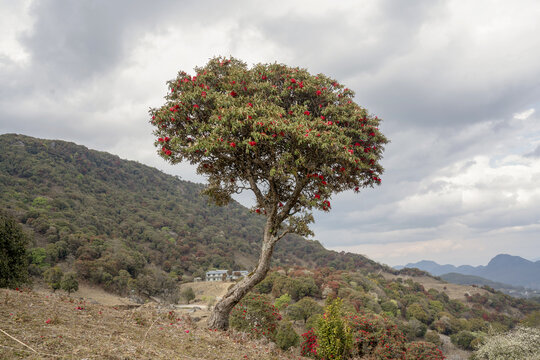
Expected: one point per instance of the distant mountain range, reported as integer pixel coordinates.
(503, 268)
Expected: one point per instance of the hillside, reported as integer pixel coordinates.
(503, 268)
(517, 291)
(124, 225)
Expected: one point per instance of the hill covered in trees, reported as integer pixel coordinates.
(125, 225)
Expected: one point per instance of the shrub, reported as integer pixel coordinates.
(283, 301)
(53, 277)
(304, 309)
(255, 315)
(376, 335)
(187, 294)
(433, 337)
(286, 337)
(310, 344)
(463, 339)
(334, 335)
(69, 282)
(519, 344)
(423, 350)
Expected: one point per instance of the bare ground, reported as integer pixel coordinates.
(40, 325)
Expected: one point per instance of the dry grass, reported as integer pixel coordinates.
(40, 325)
(454, 291)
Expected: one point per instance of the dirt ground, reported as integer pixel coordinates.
(41, 325)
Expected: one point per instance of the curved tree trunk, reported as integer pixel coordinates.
(219, 319)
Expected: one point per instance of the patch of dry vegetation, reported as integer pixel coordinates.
(39, 325)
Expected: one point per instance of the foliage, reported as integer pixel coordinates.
(53, 276)
(334, 335)
(309, 345)
(423, 350)
(304, 309)
(463, 339)
(300, 134)
(286, 337)
(282, 302)
(69, 282)
(187, 294)
(255, 315)
(13, 264)
(433, 337)
(519, 344)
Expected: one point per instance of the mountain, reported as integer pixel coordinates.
(503, 268)
(118, 222)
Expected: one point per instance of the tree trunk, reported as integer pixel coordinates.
(219, 319)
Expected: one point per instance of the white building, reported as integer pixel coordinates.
(217, 275)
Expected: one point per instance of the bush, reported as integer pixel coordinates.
(463, 339)
(69, 282)
(13, 264)
(187, 294)
(53, 277)
(255, 315)
(310, 345)
(377, 336)
(334, 335)
(286, 337)
(304, 309)
(519, 344)
(433, 337)
(283, 301)
(423, 350)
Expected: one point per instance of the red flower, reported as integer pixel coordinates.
(323, 182)
(233, 94)
(322, 117)
(203, 94)
(233, 144)
(196, 106)
(250, 104)
(263, 77)
(293, 81)
(160, 139)
(318, 92)
(167, 139)
(306, 112)
(252, 143)
(317, 196)
(48, 321)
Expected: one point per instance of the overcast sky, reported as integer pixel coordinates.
(457, 84)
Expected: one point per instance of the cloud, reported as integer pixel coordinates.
(456, 83)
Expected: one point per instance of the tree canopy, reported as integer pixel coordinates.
(292, 138)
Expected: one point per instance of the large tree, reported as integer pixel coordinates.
(13, 242)
(290, 137)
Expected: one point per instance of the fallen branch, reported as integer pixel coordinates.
(19, 341)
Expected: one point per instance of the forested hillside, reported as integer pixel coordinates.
(125, 225)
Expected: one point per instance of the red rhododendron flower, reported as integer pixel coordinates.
(252, 143)
(196, 106)
(293, 81)
(250, 104)
(306, 112)
(323, 117)
(233, 144)
(203, 94)
(167, 139)
(318, 92)
(317, 196)
(160, 139)
(233, 94)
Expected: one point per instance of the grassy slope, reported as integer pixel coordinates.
(103, 332)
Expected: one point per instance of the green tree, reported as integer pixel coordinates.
(53, 277)
(13, 263)
(286, 336)
(187, 294)
(69, 282)
(333, 333)
(283, 301)
(292, 138)
(304, 309)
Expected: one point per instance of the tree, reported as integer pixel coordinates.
(292, 138)
(304, 309)
(53, 277)
(69, 282)
(13, 263)
(188, 294)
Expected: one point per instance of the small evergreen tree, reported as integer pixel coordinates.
(53, 277)
(188, 294)
(69, 282)
(286, 336)
(334, 335)
(13, 262)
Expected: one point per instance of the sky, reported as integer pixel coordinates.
(457, 84)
